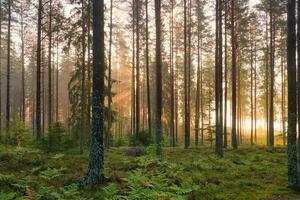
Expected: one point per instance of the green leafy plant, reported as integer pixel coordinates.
(7, 196)
(52, 173)
(19, 133)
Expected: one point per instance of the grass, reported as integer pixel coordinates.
(248, 173)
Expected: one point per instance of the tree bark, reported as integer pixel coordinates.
(233, 76)
(109, 78)
(137, 101)
(96, 157)
(23, 65)
(186, 113)
(158, 76)
(218, 82)
(272, 63)
(8, 69)
(293, 173)
(225, 75)
(83, 84)
(50, 67)
(148, 73)
(172, 128)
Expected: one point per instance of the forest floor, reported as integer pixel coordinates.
(248, 173)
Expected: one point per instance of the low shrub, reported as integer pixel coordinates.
(140, 139)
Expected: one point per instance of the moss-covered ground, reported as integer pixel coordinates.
(248, 173)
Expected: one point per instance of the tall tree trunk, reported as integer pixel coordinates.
(96, 157)
(197, 110)
(283, 101)
(50, 67)
(43, 87)
(0, 68)
(251, 90)
(186, 113)
(137, 101)
(133, 131)
(239, 129)
(38, 74)
(148, 73)
(23, 65)
(109, 78)
(272, 54)
(57, 73)
(293, 173)
(8, 69)
(83, 70)
(233, 76)
(298, 74)
(267, 86)
(201, 97)
(176, 98)
(255, 93)
(225, 74)
(172, 76)
(158, 76)
(189, 66)
(209, 115)
(89, 65)
(133, 71)
(218, 82)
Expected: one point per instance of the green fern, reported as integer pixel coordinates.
(7, 196)
(52, 173)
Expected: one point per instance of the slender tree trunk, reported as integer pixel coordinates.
(137, 101)
(255, 93)
(43, 88)
(148, 73)
(209, 115)
(218, 82)
(225, 74)
(298, 74)
(57, 73)
(267, 87)
(201, 97)
(89, 65)
(158, 76)
(133, 72)
(293, 173)
(172, 134)
(83, 84)
(197, 110)
(186, 113)
(109, 78)
(33, 99)
(38, 74)
(239, 76)
(272, 54)
(8, 70)
(233, 76)
(189, 64)
(0, 68)
(283, 101)
(23, 64)
(176, 99)
(50, 67)
(251, 92)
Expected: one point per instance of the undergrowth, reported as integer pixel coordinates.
(248, 173)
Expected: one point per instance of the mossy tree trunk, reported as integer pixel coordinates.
(96, 157)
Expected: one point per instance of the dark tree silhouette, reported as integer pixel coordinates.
(96, 157)
(293, 173)
(158, 77)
